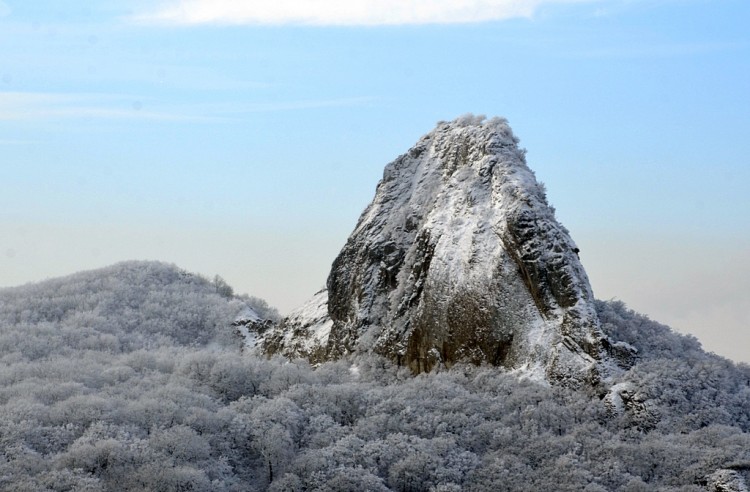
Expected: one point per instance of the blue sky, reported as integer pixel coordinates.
(244, 138)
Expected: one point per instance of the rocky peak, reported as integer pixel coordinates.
(459, 258)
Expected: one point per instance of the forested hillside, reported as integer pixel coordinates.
(133, 378)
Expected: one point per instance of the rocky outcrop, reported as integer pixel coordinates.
(726, 480)
(459, 258)
(303, 334)
(625, 399)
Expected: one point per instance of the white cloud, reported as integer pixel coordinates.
(342, 12)
(4, 9)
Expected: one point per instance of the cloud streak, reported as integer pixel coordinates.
(35, 106)
(32, 106)
(276, 106)
(659, 50)
(342, 12)
(17, 142)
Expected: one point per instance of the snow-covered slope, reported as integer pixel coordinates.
(458, 258)
(304, 333)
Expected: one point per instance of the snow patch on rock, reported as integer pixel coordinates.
(726, 481)
(302, 334)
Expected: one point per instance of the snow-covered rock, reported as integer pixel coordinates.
(302, 334)
(726, 481)
(625, 398)
(458, 258)
(250, 326)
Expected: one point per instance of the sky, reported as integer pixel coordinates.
(244, 138)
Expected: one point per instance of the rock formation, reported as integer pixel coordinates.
(458, 258)
(725, 480)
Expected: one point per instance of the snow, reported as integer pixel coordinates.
(247, 315)
(249, 338)
(304, 333)
(313, 317)
(456, 191)
(727, 481)
(613, 398)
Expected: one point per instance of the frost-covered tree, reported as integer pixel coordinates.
(121, 380)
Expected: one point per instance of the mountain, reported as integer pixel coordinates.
(132, 304)
(458, 258)
(133, 377)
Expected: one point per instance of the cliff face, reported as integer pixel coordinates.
(458, 258)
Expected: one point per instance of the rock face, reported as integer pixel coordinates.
(304, 333)
(458, 258)
(726, 481)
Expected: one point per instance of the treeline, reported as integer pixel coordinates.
(131, 378)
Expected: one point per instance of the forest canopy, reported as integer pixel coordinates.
(133, 378)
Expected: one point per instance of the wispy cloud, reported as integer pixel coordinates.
(20, 106)
(342, 12)
(5, 142)
(275, 106)
(659, 50)
(33, 106)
